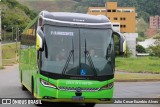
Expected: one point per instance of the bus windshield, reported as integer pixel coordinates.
(78, 51)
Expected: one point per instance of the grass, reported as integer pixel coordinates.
(139, 64)
(9, 62)
(1, 67)
(137, 77)
(9, 54)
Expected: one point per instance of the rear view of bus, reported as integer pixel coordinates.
(75, 58)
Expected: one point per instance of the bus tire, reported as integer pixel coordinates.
(32, 91)
(22, 86)
(32, 88)
(90, 104)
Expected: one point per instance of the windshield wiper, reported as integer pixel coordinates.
(45, 48)
(108, 51)
(91, 62)
(86, 52)
(73, 50)
(71, 53)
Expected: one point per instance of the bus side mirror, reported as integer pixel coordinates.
(39, 39)
(122, 42)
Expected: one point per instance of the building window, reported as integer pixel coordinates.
(113, 10)
(119, 10)
(123, 26)
(122, 18)
(115, 25)
(108, 10)
(95, 10)
(115, 18)
(128, 11)
(103, 10)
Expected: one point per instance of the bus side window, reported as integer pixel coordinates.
(40, 22)
(108, 51)
(38, 58)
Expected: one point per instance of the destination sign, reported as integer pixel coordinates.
(62, 33)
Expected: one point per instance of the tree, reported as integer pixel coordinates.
(11, 19)
(144, 15)
(142, 25)
(141, 34)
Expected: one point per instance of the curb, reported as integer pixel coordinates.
(140, 80)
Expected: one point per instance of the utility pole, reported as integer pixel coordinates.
(0, 40)
(12, 34)
(18, 34)
(16, 42)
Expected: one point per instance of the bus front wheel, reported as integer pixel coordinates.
(32, 91)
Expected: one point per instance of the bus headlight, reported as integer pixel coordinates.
(47, 84)
(108, 86)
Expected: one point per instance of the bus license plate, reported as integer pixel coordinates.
(77, 98)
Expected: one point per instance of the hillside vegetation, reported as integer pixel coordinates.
(144, 8)
(15, 14)
(50, 5)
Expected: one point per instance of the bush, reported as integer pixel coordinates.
(128, 52)
(141, 34)
(156, 49)
(157, 36)
(140, 49)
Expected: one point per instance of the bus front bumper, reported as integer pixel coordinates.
(97, 101)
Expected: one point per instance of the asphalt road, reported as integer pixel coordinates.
(10, 87)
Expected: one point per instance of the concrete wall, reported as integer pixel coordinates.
(131, 41)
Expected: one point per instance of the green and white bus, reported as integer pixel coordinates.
(69, 57)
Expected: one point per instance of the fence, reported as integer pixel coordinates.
(9, 53)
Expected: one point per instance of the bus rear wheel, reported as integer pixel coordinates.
(32, 88)
(90, 104)
(22, 86)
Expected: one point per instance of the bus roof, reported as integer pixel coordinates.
(75, 17)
